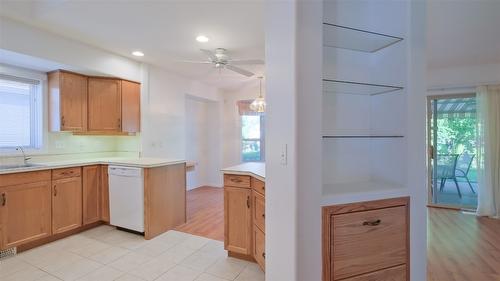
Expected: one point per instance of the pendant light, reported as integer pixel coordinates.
(259, 104)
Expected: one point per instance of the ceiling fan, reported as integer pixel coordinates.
(220, 59)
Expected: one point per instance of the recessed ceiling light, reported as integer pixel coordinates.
(138, 53)
(202, 38)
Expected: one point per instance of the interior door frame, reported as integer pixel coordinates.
(432, 151)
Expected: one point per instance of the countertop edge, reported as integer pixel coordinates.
(244, 173)
(47, 166)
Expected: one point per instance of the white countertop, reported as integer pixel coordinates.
(256, 169)
(346, 193)
(122, 161)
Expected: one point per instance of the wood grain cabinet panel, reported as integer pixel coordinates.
(238, 220)
(104, 194)
(361, 239)
(66, 204)
(91, 182)
(237, 181)
(259, 252)
(258, 185)
(104, 103)
(259, 211)
(67, 101)
(131, 106)
(25, 213)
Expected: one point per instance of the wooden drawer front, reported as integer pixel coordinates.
(236, 180)
(27, 177)
(397, 273)
(368, 241)
(259, 211)
(259, 252)
(66, 173)
(259, 186)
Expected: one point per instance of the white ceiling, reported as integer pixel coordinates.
(463, 33)
(164, 30)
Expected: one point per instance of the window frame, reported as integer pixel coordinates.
(37, 107)
(261, 139)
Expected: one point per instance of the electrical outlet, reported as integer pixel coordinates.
(284, 155)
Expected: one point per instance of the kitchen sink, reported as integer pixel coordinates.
(19, 166)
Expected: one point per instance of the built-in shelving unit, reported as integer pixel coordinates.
(357, 88)
(364, 144)
(343, 37)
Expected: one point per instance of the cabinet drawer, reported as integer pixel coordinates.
(236, 180)
(368, 241)
(397, 273)
(259, 186)
(259, 252)
(66, 173)
(259, 211)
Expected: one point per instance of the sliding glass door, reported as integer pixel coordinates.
(452, 152)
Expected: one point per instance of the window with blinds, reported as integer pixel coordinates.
(252, 133)
(20, 112)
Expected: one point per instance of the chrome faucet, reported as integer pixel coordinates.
(19, 148)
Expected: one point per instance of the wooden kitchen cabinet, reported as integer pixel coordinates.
(238, 220)
(366, 241)
(25, 209)
(104, 104)
(66, 203)
(104, 194)
(91, 192)
(67, 101)
(131, 106)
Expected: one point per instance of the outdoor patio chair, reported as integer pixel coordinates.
(463, 167)
(446, 166)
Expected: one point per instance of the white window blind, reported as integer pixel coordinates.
(20, 112)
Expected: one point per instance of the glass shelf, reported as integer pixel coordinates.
(361, 137)
(356, 88)
(344, 37)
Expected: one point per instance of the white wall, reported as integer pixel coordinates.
(231, 122)
(203, 142)
(465, 76)
(281, 191)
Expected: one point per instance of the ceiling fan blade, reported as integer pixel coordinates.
(239, 70)
(210, 54)
(242, 62)
(193, 61)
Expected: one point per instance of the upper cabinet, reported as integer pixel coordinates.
(131, 106)
(105, 106)
(67, 101)
(93, 105)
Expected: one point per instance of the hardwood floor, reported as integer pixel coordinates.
(462, 247)
(205, 213)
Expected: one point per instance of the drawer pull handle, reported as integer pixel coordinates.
(263, 216)
(236, 180)
(248, 202)
(55, 191)
(4, 199)
(372, 223)
(264, 255)
(263, 187)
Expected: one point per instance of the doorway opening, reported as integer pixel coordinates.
(452, 152)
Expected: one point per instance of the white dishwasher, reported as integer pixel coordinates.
(126, 197)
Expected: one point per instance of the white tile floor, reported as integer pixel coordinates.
(104, 253)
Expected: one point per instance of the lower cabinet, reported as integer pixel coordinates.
(104, 194)
(66, 204)
(244, 218)
(237, 220)
(91, 182)
(25, 212)
(366, 241)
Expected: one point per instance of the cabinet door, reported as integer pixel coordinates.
(131, 107)
(104, 105)
(259, 248)
(91, 182)
(67, 101)
(25, 213)
(66, 204)
(238, 220)
(104, 194)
